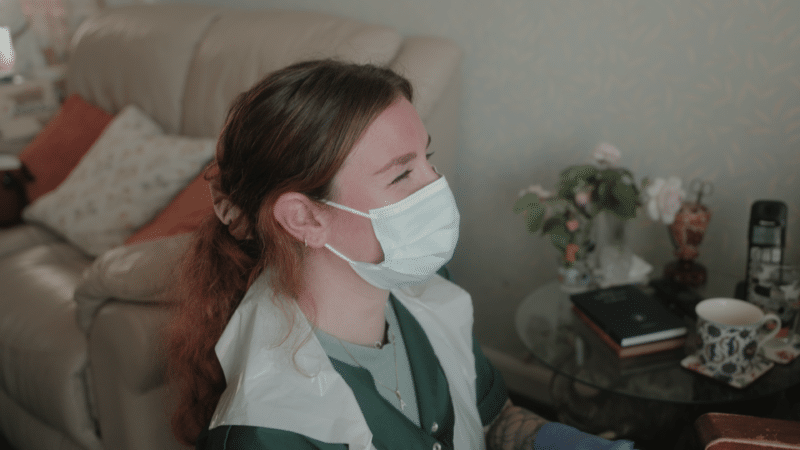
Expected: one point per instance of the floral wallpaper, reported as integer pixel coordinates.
(689, 88)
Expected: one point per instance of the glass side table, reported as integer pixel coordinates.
(596, 391)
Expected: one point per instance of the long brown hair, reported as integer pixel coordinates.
(291, 132)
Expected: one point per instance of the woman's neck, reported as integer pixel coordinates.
(341, 303)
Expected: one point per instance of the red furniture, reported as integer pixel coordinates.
(718, 431)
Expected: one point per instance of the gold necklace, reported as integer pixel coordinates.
(396, 390)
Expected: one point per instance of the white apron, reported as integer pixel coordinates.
(265, 389)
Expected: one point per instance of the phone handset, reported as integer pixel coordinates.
(766, 237)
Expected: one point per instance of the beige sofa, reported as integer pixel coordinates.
(81, 363)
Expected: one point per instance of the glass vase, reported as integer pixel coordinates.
(612, 257)
(576, 277)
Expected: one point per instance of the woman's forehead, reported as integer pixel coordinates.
(395, 133)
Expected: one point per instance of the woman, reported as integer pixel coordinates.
(312, 315)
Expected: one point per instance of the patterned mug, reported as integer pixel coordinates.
(732, 331)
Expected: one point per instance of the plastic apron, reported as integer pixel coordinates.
(266, 389)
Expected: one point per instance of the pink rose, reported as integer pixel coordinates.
(572, 225)
(582, 198)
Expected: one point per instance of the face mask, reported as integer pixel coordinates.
(417, 235)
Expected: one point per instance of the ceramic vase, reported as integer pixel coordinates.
(687, 232)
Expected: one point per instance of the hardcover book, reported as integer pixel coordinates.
(629, 316)
(633, 350)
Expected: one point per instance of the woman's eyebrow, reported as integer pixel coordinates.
(399, 161)
(402, 159)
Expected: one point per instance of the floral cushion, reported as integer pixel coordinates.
(130, 173)
(183, 215)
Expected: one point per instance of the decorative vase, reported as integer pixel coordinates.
(686, 233)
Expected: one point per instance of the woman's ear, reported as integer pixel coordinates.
(303, 218)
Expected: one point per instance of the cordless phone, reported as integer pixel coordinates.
(766, 235)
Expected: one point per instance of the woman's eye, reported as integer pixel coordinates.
(402, 175)
(405, 174)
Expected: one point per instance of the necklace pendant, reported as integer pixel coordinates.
(399, 398)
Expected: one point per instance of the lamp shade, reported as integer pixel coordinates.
(6, 52)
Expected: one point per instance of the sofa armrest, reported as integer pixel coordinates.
(127, 367)
(137, 273)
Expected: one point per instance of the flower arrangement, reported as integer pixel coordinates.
(583, 192)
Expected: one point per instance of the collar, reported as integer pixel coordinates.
(279, 376)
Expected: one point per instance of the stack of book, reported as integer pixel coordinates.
(630, 321)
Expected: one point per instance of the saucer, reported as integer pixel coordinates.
(780, 350)
(759, 367)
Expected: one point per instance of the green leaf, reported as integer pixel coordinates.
(551, 223)
(526, 202)
(559, 241)
(530, 202)
(625, 196)
(574, 177)
(575, 173)
(560, 236)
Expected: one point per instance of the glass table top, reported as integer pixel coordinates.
(556, 337)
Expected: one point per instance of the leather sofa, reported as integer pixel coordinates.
(81, 356)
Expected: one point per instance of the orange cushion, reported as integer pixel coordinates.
(59, 147)
(183, 215)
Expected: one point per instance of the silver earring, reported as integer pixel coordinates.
(304, 242)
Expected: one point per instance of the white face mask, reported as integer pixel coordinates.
(417, 235)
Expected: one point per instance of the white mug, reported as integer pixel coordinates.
(732, 333)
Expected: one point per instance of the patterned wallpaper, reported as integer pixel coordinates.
(696, 89)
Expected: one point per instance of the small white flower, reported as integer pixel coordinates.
(664, 199)
(537, 189)
(607, 153)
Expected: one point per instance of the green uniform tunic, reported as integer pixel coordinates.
(390, 427)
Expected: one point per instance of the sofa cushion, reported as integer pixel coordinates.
(241, 47)
(24, 236)
(128, 175)
(183, 214)
(56, 150)
(138, 54)
(43, 353)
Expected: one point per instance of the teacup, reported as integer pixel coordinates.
(732, 331)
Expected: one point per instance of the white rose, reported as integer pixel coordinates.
(537, 189)
(665, 198)
(607, 153)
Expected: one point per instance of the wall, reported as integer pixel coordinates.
(696, 89)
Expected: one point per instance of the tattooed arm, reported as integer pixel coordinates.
(517, 428)
(514, 428)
